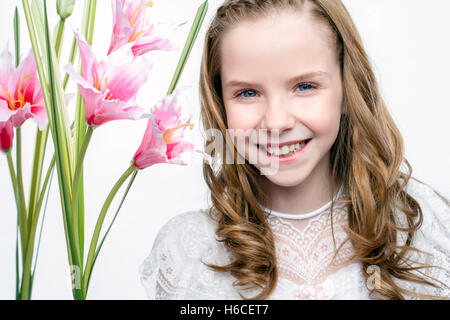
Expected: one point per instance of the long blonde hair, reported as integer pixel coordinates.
(366, 158)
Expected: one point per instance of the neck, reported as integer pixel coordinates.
(312, 193)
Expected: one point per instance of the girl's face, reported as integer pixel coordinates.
(280, 76)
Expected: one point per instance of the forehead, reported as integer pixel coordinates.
(279, 45)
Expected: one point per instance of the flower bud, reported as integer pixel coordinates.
(65, 8)
(6, 135)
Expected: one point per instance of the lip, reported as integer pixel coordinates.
(286, 159)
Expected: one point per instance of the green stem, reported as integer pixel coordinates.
(26, 279)
(12, 173)
(14, 185)
(77, 183)
(22, 207)
(17, 260)
(91, 21)
(59, 36)
(39, 152)
(73, 53)
(98, 226)
(44, 190)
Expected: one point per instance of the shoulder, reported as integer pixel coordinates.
(435, 206)
(175, 255)
(422, 190)
(185, 235)
(187, 227)
(432, 237)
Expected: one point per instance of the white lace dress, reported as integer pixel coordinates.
(304, 248)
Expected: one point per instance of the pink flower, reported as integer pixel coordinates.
(131, 24)
(6, 135)
(162, 142)
(108, 90)
(20, 91)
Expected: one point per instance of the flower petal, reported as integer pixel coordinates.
(146, 44)
(125, 81)
(26, 77)
(5, 112)
(174, 150)
(6, 68)
(88, 60)
(177, 148)
(6, 135)
(152, 149)
(121, 31)
(75, 76)
(21, 115)
(91, 96)
(40, 116)
(167, 111)
(148, 158)
(109, 110)
(157, 38)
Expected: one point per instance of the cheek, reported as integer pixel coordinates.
(324, 119)
(241, 123)
(236, 123)
(238, 118)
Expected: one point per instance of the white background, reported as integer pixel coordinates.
(408, 42)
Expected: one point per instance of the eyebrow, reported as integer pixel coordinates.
(309, 75)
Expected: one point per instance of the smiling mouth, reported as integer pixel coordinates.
(284, 150)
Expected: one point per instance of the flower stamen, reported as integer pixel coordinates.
(9, 98)
(167, 135)
(132, 20)
(18, 103)
(96, 81)
(138, 34)
(21, 94)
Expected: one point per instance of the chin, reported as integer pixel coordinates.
(286, 179)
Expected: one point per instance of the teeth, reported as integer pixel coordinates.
(285, 149)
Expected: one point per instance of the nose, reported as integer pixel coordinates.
(277, 116)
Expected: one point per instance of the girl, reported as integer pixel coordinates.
(336, 217)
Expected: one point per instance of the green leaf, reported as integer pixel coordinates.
(17, 36)
(37, 10)
(195, 28)
(65, 8)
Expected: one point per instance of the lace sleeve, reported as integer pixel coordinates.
(433, 237)
(165, 272)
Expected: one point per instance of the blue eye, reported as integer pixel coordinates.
(246, 91)
(305, 86)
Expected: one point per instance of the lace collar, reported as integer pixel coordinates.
(303, 215)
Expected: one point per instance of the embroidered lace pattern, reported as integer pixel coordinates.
(305, 248)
